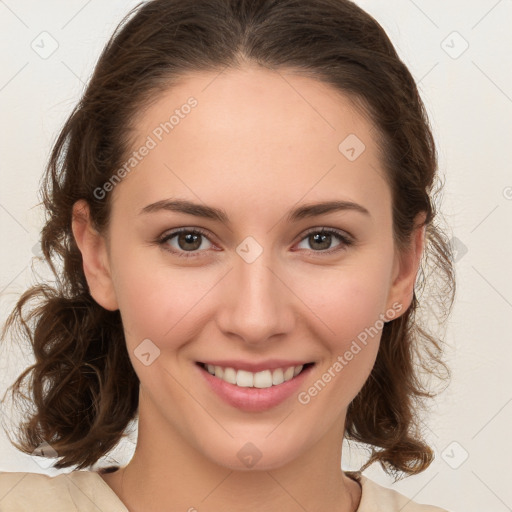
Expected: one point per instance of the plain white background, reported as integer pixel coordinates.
(459, 52)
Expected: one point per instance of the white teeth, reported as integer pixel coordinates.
(277, 376)
(229, 375)
(288, 374)
(263, 379)
(244, 379)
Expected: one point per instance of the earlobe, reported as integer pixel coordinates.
(406, 266)
(94, 256)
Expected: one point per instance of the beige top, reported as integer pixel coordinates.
(86, 491)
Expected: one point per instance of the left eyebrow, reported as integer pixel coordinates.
(209, 212)
(315, 209)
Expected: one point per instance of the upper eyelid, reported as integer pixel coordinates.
(177, 231)
(339, 232)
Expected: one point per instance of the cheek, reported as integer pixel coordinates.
(159, 302)
(350, 304)
(347, 300)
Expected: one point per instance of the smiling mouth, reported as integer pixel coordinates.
(262, 379)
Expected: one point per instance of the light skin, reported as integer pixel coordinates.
(257, 148)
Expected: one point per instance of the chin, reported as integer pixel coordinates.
(261, 452)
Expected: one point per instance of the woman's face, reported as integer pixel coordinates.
(259, 287)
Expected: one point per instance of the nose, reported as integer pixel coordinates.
(257, 303)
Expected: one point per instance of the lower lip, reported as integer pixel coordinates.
(254, 399)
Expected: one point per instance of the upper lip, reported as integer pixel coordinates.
(251, 366)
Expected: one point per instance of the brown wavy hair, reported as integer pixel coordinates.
(83, 388)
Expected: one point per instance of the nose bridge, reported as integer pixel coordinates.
(258, 305)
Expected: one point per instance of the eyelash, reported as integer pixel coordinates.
(346, 241)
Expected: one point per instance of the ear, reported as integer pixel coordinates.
(95, 258)
(406, 266)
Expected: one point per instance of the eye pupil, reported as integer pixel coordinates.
(189, 238)
(321, 238)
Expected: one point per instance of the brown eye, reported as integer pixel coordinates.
(186, 241)
(189, 241)
(320, 240)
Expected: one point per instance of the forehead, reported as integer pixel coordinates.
(254, 131)
(255, 101)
